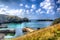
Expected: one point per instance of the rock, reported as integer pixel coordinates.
(2, 36)
(3, 26)
(27, 30)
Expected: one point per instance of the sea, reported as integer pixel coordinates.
(19, 26)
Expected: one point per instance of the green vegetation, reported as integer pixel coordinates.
(11, 34)
(49, 33)
(7, 39)
(45, 20)
(56, 21)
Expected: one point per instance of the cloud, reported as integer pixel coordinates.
(33, 6)
(3, 9)
(27, 11)
(1, 5)
(58, 10)
(58, 1)
(16, 12)
(12, 12)
(8, 11)
(21, 4)
(47, 0)
(27, 6)
(31, 10)
(48, 6)
(38, 11)
(50, 12)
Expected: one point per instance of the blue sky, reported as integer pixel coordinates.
(32, 9)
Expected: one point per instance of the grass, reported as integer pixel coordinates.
(49, 33)
(7, 39)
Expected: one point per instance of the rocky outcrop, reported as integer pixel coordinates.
(56, 21)
(9, 18)
(3, 26)
(2, 36)
(6, 31)
(27, 30)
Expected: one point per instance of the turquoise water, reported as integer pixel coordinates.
(19, 26)
(30, 24)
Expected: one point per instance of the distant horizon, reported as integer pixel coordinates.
(30, 19)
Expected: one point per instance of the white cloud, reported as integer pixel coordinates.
(45, 5)
(31, 10)
(58, 10)
(21, 4)
(33, 6)
(8, 11)
(2, 12)
(47, 0)
(21, 10)
(27, 11)
(58, 1)
(27, 6)
(12, 11)
(3, 9)
(50, 12)
(17, 12)
(48, 6)
(1, 5)
(51, 7)
(38, 11)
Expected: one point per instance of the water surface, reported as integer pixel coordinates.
(19, 26)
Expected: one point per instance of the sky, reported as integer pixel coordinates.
(31, 9)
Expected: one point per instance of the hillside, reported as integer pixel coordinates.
(9, 18)
(57, 20)
(49, 33)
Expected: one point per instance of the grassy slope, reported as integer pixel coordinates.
(49, 33)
